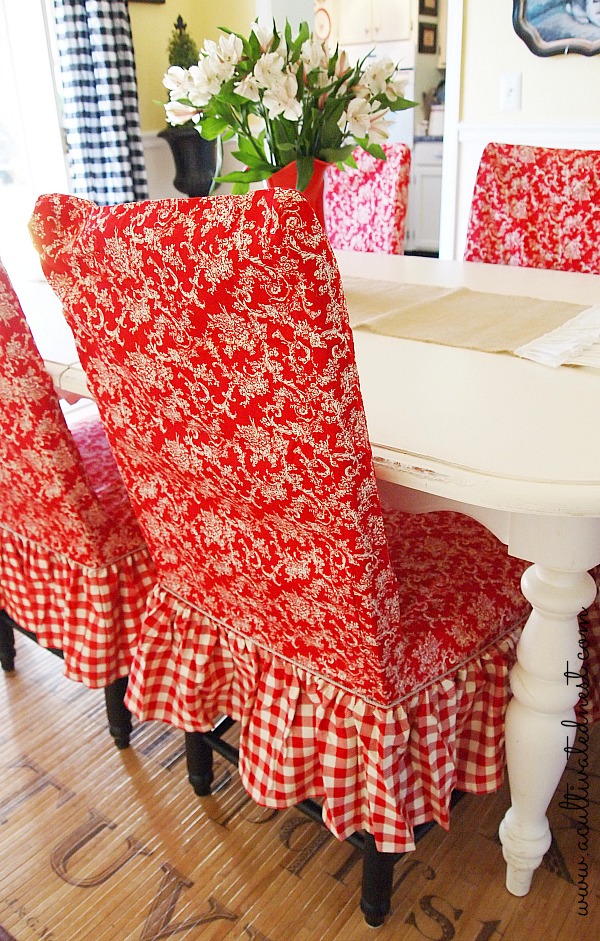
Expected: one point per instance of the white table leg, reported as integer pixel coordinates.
(537, 739)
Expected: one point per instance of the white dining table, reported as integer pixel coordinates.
(509, 442)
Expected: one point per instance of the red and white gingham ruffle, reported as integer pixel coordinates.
(382, 769)
(92, 615)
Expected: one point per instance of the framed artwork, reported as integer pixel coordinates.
(551, 27)
(427, 37)
(428, 7)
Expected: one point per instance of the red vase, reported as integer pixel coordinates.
(286, 179)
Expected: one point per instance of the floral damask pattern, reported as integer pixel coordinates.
(365, 209)
(536, 207)
(74, 568)
(215, 337)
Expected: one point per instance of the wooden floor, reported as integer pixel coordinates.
(102, 845)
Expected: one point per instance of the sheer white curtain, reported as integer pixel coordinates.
(32, 159)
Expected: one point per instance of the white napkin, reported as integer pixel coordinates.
(575, 343)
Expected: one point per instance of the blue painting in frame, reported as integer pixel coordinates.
(554, 27)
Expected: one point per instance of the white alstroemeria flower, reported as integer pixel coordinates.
(280, 98)
(256, 124)
(269, 69)
(342, 65)
(361, 91)
(395, 87)
(177, 113)
(207, 78)
(357, 116)
(376, 76)
(248, 88)
(178, 81)
(314, 55)
(230, 49)
(210, 48)
(379, 126)
(264, 34)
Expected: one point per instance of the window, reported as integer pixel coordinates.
(31, 151)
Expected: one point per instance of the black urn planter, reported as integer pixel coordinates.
(196, 159)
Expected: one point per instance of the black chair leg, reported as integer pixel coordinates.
(199, 757)
(377, 882)
(119, 716)
(7, 643)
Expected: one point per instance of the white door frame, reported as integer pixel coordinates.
(450, 166)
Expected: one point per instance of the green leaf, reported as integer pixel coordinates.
(337, 154)
(254, 47)
(377, 151)
(296, 45)
(401, 104)
(253, 175)
(247, 151)
(305, 166)
(333, 109)
(276, 42)
(253, 161)
(213, 127)
(287, 150)
(285, 133)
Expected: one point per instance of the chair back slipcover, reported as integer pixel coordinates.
(365, 209)
(74, 568)
(365, 656)
(536, 207)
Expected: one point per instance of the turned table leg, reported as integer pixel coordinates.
(540, 726)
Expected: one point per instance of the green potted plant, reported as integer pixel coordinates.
(196, 160)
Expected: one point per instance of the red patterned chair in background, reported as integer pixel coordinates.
(536, 207)
(363, 651)
(365, 209)
(74, 568)
(539, 207)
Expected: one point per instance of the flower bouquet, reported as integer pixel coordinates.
(286, 99)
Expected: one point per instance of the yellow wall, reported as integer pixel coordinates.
(555, 89)
(152, 25)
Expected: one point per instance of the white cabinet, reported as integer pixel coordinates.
(424, 198)
(363, 21)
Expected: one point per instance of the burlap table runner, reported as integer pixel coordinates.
(493, 323)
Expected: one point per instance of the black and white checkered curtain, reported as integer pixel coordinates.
(99, 86)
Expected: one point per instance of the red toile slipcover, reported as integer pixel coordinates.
(365, 653)
(74, 568)
(536, 207)
(365, 209)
